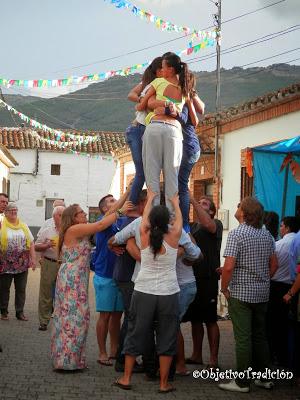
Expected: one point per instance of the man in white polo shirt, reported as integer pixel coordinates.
(47, 244)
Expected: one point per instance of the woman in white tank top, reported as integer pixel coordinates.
(155, 296)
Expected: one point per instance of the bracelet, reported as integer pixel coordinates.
(119, 213)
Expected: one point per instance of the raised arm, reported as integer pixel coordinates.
(177, 225)
(81, 230)
(145, 223)
(204, 218)
(122, 204)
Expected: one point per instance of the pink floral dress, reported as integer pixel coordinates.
(71, 312)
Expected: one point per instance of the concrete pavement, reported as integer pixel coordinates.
(26, 371)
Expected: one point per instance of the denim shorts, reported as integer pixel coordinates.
(107, 295)
(186, 297)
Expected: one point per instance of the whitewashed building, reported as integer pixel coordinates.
(272, 117)
(7, 161)
(45, 174)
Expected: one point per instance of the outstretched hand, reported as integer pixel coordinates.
(151, 194)
(127, 206)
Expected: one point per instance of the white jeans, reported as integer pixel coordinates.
(162, 151)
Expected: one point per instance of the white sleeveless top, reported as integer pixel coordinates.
(141, 115)
(158, 276)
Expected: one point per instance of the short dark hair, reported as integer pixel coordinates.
(142, 196)
(102, 202)
(212, 206)
(4, 195)
(253, 212)
(291, 223)
(271, 222)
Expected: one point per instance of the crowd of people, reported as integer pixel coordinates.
(153, 266)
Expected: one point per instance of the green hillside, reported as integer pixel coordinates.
(104, 106)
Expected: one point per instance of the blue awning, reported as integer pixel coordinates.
(283, 146)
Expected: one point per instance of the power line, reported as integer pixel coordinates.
(240, 46)
(167, 41)
(230, 49)
(252, 12)
(258, 72)
(222, 72)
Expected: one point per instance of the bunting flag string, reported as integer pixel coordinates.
(73, 80)
(159, 23)
(60, 137)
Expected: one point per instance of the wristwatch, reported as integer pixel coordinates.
(224, 290)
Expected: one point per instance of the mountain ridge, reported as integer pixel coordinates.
(103, 106)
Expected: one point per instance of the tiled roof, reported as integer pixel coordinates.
(26, 138)
(257, 104)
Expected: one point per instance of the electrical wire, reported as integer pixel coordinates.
(240, 46)
(229, 50)
(167, 41)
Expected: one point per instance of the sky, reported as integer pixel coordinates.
(53, 39)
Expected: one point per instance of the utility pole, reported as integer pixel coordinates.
(217, 23)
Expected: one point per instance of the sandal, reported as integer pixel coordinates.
(106, 362)
(42, 327)
(21, 317)
(121, 385)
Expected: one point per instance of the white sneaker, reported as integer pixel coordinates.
(264, 384)
(232, 386)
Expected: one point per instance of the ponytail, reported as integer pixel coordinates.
(159, 218)
(184, 79)
(180, 68)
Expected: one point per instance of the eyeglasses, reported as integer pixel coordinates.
(80, 212)
(12, 210)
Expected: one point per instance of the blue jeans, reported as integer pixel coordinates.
(134, 135)
(186, 166)
(187, 295)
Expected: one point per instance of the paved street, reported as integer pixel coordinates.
(26, 372)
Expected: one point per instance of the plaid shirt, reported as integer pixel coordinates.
(252, 249)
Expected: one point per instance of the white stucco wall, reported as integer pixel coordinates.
(4, 172)
(232, 143)
(83, 180)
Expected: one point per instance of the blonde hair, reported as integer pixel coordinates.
(67, 220)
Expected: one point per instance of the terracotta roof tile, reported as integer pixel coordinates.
(25, 138)
(258, 104)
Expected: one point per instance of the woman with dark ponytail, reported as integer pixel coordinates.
(155, 296)
(134, 133)
(162, 141)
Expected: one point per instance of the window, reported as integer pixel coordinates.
(246, 184)
(55, 169)
(49, 207)
(4, 185)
